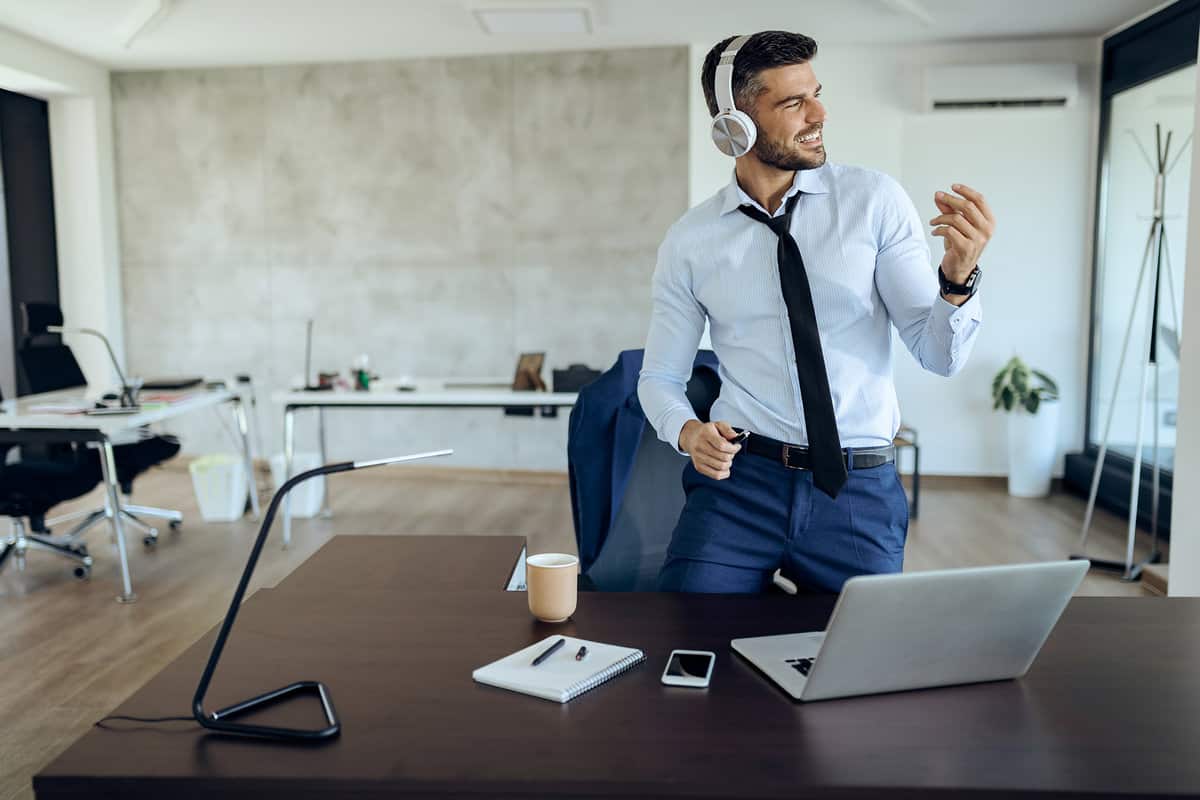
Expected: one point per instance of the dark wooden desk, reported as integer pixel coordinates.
(1111, 708)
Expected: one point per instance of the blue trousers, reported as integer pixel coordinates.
(733, 534)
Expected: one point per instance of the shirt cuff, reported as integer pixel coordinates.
(672, 427)
(956, 318)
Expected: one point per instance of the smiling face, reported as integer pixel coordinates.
(790, 118)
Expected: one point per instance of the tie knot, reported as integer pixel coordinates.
(777, 224)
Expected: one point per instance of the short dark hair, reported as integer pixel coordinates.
(761, 51)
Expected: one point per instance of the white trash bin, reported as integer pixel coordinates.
(219, 481)
(308, 497)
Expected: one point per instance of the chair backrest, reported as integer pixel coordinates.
(45, 362)
(49, 367)
(36, 317)
(636, 545)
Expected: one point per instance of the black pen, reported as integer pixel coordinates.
(549, 651)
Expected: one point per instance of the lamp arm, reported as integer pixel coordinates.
(240, 593)
(218, 720)
(126, 391)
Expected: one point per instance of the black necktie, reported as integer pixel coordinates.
(824, 446)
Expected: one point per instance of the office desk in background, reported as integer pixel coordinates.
(23, 420)
(395, 625)
(460, 393)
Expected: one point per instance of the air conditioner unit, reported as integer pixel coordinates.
(954, 87)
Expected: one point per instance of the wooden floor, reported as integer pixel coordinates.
(69, 653)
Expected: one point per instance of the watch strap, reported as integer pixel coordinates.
(968, 288)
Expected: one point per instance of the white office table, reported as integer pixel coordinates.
(21, 420)
(428, 393)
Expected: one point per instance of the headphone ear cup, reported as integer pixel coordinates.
(733, 132)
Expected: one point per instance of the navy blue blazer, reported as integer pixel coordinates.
(604, 432)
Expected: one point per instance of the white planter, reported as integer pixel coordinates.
(1032, 447)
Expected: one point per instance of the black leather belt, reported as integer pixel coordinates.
(794, 456)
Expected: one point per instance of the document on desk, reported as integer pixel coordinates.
(161, 398)
(561, 677)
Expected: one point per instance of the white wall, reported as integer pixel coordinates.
(1184, 576)
(86, 215)
(1035, 166)
(81, 145)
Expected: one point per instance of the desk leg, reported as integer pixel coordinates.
(112, 507)
(239, 410)
(289, 443)
(326, 511)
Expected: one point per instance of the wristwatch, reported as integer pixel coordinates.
(968, 289)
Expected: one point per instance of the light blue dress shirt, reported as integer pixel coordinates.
(869, 267)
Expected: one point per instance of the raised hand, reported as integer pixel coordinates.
(965, 225)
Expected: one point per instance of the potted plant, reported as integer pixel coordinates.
(1031, 397)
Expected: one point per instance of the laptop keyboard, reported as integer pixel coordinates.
(801, 665)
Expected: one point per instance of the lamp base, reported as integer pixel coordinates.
(218, 720)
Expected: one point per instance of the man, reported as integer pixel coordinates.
(799, 267)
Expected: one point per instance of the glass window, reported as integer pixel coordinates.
(1126, 215)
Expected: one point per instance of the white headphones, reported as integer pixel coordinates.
(733, 132)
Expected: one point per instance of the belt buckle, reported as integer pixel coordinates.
(786, 461)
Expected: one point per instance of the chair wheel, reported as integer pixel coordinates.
(175, 523)
(150, 540)
(82, 572)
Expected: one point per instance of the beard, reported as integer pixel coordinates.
(789, 156)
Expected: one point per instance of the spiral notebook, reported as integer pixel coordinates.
(560, 677)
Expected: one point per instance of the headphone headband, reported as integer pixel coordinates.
(723, 80)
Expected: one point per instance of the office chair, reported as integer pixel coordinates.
(48, 365)
(30, 488)
(636, 545)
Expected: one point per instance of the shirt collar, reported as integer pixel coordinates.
(808, 181)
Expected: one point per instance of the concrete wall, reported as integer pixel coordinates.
(439, 215)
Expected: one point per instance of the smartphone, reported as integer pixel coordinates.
(689, 668)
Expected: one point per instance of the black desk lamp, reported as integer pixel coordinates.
(220, 720)
(48, 318)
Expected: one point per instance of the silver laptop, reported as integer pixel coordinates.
(918, 630)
